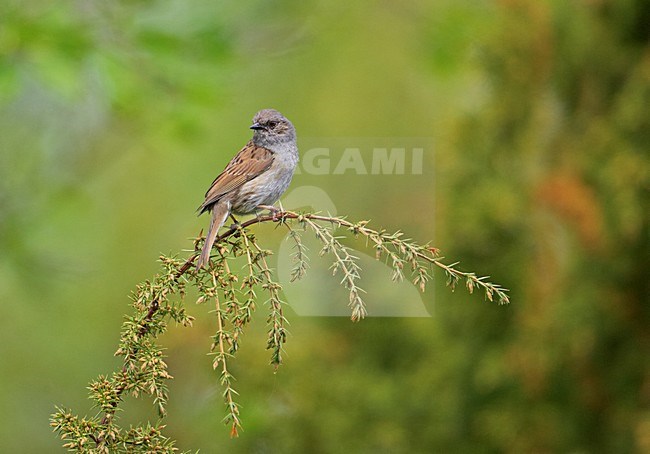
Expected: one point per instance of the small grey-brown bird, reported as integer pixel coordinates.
(255, 178)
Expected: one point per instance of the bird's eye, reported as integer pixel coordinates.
(272, 124)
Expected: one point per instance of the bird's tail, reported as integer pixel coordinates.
(220, 212)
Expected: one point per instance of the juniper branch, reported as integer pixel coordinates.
(144, 369)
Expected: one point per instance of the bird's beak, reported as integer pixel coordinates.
(257, 126)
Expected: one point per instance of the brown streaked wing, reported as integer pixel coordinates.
(250, 162)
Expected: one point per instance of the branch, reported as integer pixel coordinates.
(428, 254)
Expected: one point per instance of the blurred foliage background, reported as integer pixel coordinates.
(115, 117)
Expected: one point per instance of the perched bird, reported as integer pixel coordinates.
(255, 178)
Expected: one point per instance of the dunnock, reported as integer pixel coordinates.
(256, 177)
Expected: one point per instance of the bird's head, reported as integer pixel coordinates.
(271, 127)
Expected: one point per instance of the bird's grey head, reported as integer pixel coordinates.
(272, 128)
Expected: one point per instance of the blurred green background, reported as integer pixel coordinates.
(115, 117)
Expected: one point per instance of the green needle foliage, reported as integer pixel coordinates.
(234, 293)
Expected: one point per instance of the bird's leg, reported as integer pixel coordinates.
(274, 211)
(236, 224)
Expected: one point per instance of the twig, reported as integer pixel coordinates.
(226, 377)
